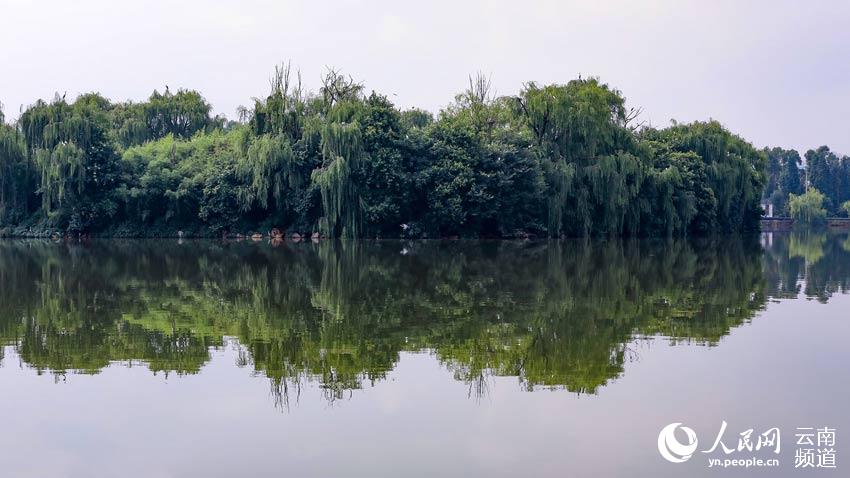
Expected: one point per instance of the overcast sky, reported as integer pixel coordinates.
(775, 72)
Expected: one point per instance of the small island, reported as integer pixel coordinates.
(550, 161)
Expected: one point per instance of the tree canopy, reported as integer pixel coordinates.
(808, 208)
(823, 170)
(553, 160)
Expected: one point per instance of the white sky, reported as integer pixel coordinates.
(777, 72)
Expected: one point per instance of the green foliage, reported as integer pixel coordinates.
(342, 149)
(573, 126)
(75, 160)
(386, 171)
(555, 160)
(182, 115)
(784, 177)
(824, 171)
(830, 175)
(416, 118)
(271, 168)
(605, 180)
(176, 182)
(61, 168)
(724, 175)
(283, 112)
(807, 244)
(15, 175)
(808, 208)
(846, 208)
(576, 122)
(813, 262)
(480, 176)
(552, 314)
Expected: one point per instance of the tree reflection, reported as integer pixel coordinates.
(562, 314)
(816, 263)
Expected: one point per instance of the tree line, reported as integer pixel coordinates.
(553, 160)
(809, 192)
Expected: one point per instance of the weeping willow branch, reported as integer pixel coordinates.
(61, 167)
(271, 167)
(13, 171)
(341, 149)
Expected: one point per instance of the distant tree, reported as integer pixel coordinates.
(820, 167)
(808, 208)
(181, 114)
(784, 177)
(416, 118)
(830, 174)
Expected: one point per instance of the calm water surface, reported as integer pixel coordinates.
(162, 359)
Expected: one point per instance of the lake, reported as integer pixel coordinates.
(429, 358)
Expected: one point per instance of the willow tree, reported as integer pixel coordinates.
(62, 170)
(808, 208)
(342, 149)
(46, 125)
(74, 158)
(181, 114)
(575, 126)
(615, 183)
(284, 110)
(674, 190)
(341, 146)
(269, 161)
(576, 122)
(57, 135)
(560, 179)
(15, 186)
(728, 174)
(670, 203)
(271, 167)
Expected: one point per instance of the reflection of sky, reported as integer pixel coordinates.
(775, 71)
(786, 369)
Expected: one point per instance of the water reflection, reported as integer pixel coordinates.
(811, 263)
(552, 314)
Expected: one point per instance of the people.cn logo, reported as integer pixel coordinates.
(671, 448)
